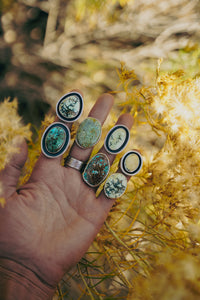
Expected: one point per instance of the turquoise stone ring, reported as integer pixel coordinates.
(88, 133)
(69, 108)
(55, 140)
(96, 170)
(116, 139)
(131, 163)
(115, 186)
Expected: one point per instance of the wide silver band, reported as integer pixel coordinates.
(74, 163)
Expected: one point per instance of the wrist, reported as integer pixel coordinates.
(19, 282)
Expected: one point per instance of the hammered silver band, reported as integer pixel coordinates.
(74, 163)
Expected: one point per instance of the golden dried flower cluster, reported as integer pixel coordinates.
(11, 129)
(149, 246)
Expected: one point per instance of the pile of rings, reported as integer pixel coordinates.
(56, 139)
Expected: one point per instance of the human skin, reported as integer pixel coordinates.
(49, 223)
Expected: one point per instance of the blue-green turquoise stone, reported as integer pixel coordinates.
(115, 186)
(88, 133)
(96, 170)
(55, 139)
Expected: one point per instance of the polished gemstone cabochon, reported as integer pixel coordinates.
(88, 133)
(131, 163)
(96, 170)
(116, 139)
(69, 108)
(55, 140)
(115, 186)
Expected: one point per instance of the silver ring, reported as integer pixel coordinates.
(74, 163)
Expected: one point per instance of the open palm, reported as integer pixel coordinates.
(49, 223)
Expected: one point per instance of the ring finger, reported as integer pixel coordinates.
(100, 112)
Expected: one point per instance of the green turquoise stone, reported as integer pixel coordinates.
(88, 133)
(117, 139)
(96, 170)
(115, 186)
(55, 139)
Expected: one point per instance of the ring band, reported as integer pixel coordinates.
(74, 163)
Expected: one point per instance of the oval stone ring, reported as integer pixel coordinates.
(117, 139)
(70, 107)
(88, 133)
(55, 140)
(131, 163)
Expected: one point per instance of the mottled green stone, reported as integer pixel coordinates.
(88, 133)
(115, 186)
(117, 139)
(70, 106)
(55, 139)
(96, 170)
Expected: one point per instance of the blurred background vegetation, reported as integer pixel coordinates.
(48, 48)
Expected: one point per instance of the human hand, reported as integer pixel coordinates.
(49, 223)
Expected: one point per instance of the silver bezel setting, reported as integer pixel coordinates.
(60, 116)
(104, 176)
(110, 133)
(64, 147)
(122, 161)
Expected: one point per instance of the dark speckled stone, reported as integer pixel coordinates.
(96, 170)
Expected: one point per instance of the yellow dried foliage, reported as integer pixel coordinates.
(34, 150)
(152, 234)
(11, 129)
(175, 276)
(2, 200)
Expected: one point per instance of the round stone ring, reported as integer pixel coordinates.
(55, 140)
(70, 107)
(131, 163)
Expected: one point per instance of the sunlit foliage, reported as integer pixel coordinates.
(11, 130)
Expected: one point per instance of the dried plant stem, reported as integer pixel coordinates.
(139, 261)
(84, 281)
(59, 292)
(51, 22)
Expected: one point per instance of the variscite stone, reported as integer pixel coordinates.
(55, 140)
(131, 163)
(88, 133)
(70, 107)
(96, 170)
(116, 139)
(115, 186)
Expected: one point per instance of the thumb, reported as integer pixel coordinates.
(9, 176)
